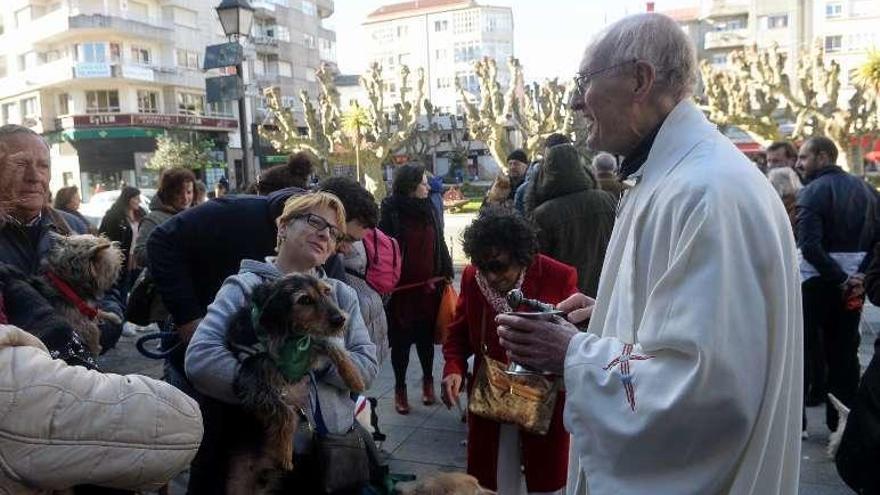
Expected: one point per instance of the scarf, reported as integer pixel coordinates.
(495, 299)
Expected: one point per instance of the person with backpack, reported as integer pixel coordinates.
(407, 215)
(371, 258)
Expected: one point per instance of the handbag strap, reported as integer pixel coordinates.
(483, 347)
(320, 426)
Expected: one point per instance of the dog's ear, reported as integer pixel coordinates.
(270, 301)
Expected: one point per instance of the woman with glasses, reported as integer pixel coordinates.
(309, 229)
(408, 216)
(503, 250)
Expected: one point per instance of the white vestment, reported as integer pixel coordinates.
(690, 377)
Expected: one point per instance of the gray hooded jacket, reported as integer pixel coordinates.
(212, 368)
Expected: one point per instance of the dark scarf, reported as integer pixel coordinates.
(639, 155)
(416, 208)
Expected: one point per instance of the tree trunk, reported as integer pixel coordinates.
(854, 160)
(374, 181)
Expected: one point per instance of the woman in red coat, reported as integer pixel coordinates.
(502, 247)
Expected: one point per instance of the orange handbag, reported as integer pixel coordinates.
(445, 314)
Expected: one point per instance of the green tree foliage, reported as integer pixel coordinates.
(176, 152)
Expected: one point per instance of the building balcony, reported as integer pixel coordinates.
(727, 39)
(265, 44)
(67, 23)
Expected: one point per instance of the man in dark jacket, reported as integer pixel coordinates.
(27, 222)
(836, 231)
(574, 217)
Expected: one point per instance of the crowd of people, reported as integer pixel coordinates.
(701, 306)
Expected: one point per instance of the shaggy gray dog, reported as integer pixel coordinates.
(75, 274)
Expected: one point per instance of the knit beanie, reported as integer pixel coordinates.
(518, 155)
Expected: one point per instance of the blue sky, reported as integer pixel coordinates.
(549, 35)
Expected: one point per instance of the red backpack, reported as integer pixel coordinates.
(383, 261)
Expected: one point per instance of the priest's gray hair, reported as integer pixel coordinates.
(652, 38)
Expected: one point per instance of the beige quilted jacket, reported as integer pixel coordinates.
(65, 425)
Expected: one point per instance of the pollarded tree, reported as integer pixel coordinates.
(534, 111)
(813, 97)
(381, 132)
(742, 96)
(323, 124)
(387, 133)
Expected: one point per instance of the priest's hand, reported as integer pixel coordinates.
(578, 308)
(538, 344)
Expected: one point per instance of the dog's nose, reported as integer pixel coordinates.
(337, 319)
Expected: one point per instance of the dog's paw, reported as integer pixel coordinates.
(112, 318)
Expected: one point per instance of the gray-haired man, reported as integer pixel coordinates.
(689, 378)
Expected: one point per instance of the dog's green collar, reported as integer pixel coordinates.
(294, 357)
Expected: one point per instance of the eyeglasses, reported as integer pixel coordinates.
(582, 80)
(493, 266)
(318, 223)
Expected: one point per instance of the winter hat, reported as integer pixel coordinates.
(518, 155)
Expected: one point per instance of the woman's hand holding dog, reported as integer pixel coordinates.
(451, 390)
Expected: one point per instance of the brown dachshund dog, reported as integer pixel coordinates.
(299, 311)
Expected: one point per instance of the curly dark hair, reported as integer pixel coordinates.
(407, 178)
(172, 182)
(294, 174)
(359, 204)
(500, 230)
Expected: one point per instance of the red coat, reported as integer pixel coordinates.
(545, 458)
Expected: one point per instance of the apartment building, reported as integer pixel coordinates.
(100, 79)
(445, 38)
(848, 29)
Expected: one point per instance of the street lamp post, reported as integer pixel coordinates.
(236, 17)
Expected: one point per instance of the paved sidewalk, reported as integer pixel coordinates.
(431, 438)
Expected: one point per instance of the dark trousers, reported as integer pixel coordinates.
(831, 346)
(401, 340)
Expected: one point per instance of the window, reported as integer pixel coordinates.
(27, 60)
(858, 8)
(308, 8)
(308, 40)
(102, 101)
(464, 22)
(404, 59)
(22, 17)
(3, 69)
(2, 26)
(186, 17)
(443, 82)
(138, 9)
(777, 21)
(98, 52)
(439, 54)
(10, 113)
(188, 59)
(834, 9)
(190, 104)
(140, 55)
(148, 101)
(285, 69)
(221, 109)
(63, 104)
(402, 31)
(719, 59)
(441, 26)
(29, 108)
(833, 43)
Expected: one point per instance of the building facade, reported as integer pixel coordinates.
(443, 37)
(847, 29)
(100, 79)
